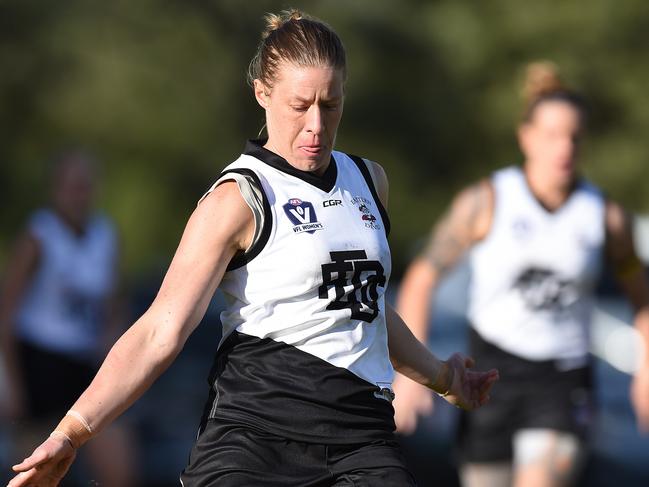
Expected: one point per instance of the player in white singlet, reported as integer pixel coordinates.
(536, 237)
(58, 316)
(294, 233)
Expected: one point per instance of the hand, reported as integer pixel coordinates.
(469, 389)
(46, 466)
(410, 401)
(640, 398)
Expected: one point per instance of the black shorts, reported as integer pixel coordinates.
(53, 381)
(528, 395)
(231, 455)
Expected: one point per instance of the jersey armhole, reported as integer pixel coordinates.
(255, 197)
(362, 167)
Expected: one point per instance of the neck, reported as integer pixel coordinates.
(551, 194)
(76, 223)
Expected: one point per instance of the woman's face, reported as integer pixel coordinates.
(550, 140)
(74, 190)
(303, 110)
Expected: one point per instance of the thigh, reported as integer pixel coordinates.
(377, 463)
(235, 455)
(376, 477)
(562, 402)
(485, 434)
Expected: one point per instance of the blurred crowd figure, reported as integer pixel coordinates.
(59, 313)
(536, 238)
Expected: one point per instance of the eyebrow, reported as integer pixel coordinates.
(299, 99)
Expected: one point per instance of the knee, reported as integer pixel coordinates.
(553, 452)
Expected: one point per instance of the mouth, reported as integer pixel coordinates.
(312, 150)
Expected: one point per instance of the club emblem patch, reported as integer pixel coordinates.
(364, 206)
(522, 228)
(302, 216)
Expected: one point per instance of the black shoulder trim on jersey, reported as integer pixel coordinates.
(362, 166)
(240, 260)
(325, 183)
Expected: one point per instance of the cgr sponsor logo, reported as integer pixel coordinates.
(328, 203)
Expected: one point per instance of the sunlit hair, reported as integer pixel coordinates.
(542, 84)
(296, 38)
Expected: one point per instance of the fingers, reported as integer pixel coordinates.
(48, 475)
(640, 400)
(46, 466)
(475, 387)
(406, 422)
(469, 362)
(487, 380)
(39, 456)
(425, 403)
(466, 361)
(412, 400)
(23, 479)
(642, 420)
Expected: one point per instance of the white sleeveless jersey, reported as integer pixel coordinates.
(62, 308)
(304, 350)
(533, 276)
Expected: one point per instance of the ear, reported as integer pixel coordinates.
(262, 93)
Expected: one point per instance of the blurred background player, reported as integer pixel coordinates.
(536, 237)
(59, 313)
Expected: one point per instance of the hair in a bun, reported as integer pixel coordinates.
(543, 83)
(294, 37)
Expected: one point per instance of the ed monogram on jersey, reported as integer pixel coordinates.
(304, 349)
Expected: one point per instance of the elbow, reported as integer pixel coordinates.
(162, 339)
(166, 344)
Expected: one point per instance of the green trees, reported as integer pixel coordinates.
(157, 90)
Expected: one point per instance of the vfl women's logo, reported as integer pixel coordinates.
(302, 215)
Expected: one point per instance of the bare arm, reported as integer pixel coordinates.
(380, 181)
(459, 386)
(466, 222)
(633, 280)
(22, 264)
(220, 226)
(409, 356)
(114, 309)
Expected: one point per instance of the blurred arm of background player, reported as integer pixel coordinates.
(21, 265)
(466, 222)
(115, 310)
(633, 280)
(467, 389)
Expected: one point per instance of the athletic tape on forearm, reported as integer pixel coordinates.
(74, 428)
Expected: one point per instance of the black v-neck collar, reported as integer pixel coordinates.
(326, 182)
(577, 184)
